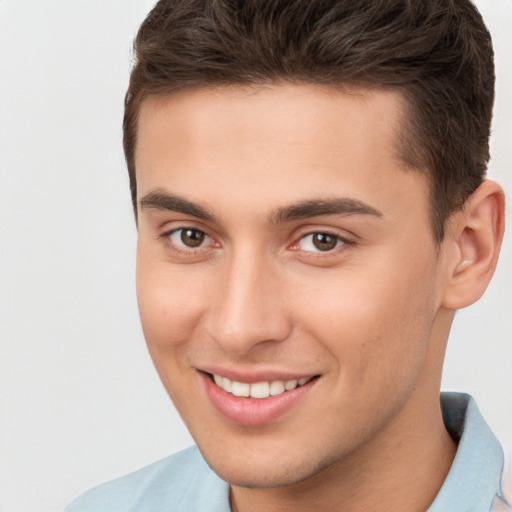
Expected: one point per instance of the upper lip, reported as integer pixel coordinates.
(251, 376)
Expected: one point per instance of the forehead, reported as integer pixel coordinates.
(312, 115)
(281, 142)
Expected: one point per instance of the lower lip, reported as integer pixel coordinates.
(253, 411)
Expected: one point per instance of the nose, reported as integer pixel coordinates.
(248, 309)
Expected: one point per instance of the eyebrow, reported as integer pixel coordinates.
(160, 200)
(314, 207)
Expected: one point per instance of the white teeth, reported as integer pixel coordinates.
(227, 384)
(290, 384)
(258, 389)
(276, 387)
(241, 389)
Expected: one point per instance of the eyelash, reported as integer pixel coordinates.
(342, 243)
(187, 251)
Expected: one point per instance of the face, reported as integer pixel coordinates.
(288, 281)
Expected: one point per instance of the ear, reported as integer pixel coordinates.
(474, 237)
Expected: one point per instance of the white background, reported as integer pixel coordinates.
(79, 400)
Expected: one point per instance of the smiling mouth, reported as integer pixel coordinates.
(259, 389)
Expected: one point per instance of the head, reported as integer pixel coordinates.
(307, 177)
(438, 55)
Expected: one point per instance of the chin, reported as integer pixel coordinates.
(254, 478)
(260, 474)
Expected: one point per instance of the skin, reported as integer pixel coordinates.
(370, 317)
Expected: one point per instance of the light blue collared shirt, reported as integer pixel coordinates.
(184, 482)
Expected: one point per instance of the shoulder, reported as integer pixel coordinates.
(182, 481)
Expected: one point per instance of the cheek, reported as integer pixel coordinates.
(169, 305)
(170, 312)
(375, 321)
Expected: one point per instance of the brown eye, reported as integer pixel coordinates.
(319, 242)
(192, 237)
(188, 238)
(324, 242)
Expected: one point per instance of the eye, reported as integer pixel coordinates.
(319, 242)
(189, 238)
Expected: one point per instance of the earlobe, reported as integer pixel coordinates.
(476, 234)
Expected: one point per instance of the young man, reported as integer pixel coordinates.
(308, 178)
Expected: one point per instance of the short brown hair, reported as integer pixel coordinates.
(438, 53)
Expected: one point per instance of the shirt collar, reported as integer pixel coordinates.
(474, 478)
